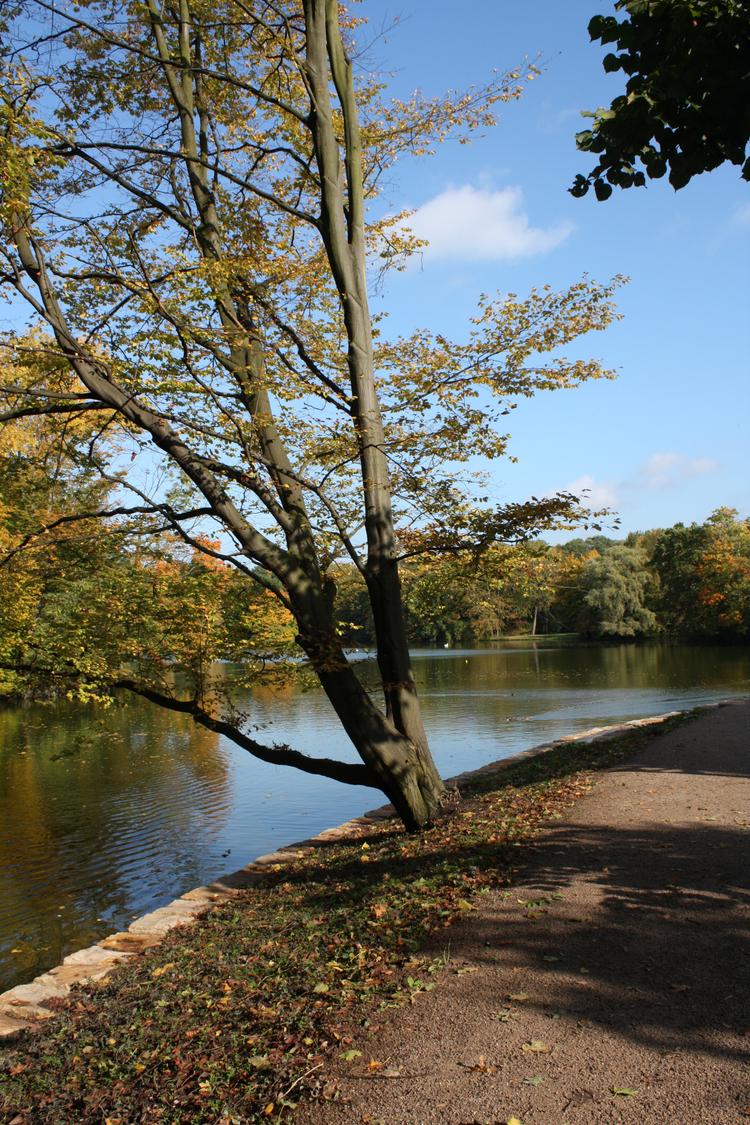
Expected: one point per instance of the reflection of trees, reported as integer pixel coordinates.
(626, 666)
(270, 692)
(674, 666)
(101, 811)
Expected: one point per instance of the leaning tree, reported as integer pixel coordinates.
(190, 211)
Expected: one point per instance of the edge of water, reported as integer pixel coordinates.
(24, 1008)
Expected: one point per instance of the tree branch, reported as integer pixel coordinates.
(60, 408)
(94, 376)
(177, 64)
(350, 773)
(278, 755)
(77, 517)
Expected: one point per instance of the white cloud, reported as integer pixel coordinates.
(665, 470)
(595, 494)
(741, 216)
(478, 224)
(660, 471)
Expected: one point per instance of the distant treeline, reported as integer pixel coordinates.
(687, 582)
(95, 604)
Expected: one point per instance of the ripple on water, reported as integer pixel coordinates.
(106, 815)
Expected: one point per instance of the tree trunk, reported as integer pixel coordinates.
(399, 758)
(394, 661)
(398, 737)
(408, 776)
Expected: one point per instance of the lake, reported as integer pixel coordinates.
(106, 814)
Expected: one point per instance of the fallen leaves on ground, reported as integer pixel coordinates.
(243, 1011)
(481, 1066)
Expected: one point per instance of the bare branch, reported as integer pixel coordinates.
(303, 353)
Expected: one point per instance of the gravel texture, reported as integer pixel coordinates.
(611, 984)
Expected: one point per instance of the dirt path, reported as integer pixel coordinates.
(620, 961)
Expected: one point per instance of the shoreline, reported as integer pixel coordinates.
(24, 1007)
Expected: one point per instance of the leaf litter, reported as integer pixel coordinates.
(239, 1013)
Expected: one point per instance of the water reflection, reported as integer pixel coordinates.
(99, 810)
(106, 814)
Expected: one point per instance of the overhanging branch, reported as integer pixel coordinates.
(350, 773)
(279, 755)
(57, 408)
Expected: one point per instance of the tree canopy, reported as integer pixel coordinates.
(682, 582)
(190, 211)
(615, 602)
(686, 104)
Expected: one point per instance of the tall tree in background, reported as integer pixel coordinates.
(184, 207)
(724, 574)
(703, 572)
(617, 595)
(686, 105)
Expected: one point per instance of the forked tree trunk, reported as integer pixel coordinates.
(394, 661)
(396, 739)
(392, 744)
(397, 754)
(406, 773)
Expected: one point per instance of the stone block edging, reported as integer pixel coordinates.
(25, 1007)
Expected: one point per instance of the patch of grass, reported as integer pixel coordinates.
(232, 1020)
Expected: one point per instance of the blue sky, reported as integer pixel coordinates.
(668, 440)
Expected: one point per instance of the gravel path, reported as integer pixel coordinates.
(612, 984)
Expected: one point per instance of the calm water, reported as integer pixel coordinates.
(106, 814)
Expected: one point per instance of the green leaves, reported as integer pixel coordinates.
(611, 63)
(688, 68)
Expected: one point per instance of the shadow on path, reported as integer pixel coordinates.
(655, 942)
(623, 948)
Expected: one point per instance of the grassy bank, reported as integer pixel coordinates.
(231, 1021)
